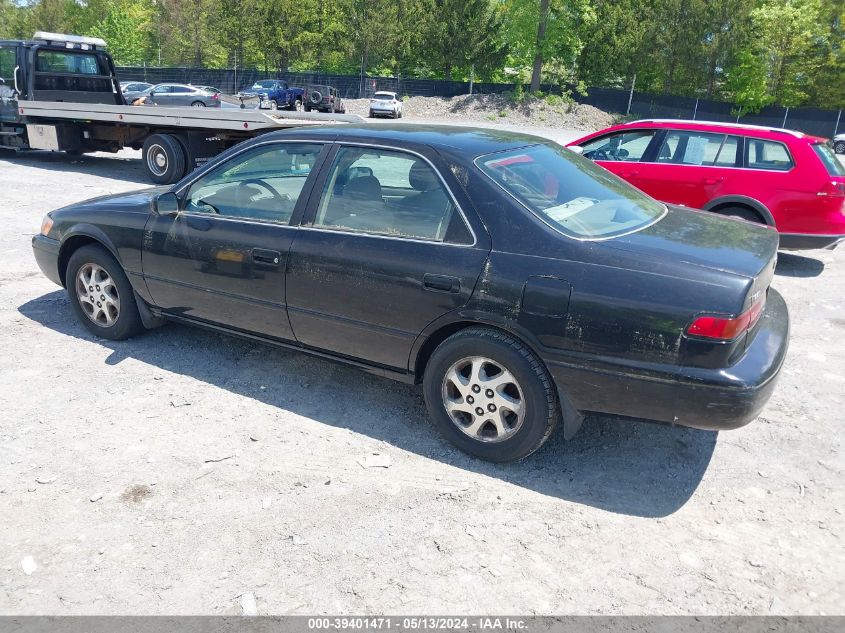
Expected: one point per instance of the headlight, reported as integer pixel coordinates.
(46, 225)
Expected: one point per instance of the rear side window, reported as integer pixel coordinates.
(769, 155)
(686, 147)
(623, 146)
(829, 160)
(62, 62)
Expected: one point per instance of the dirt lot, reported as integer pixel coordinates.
(185, 473)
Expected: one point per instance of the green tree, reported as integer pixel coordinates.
(541, 33)
(125, 27)
(463, 34)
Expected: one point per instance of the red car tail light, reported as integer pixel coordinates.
(215, 96)
(834, 189)
(724, 329)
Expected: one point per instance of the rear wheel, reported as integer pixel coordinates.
(490, 395)
(197, 104)
(101, 295)
(743, 213)
(839, 147)
(164, 158)
(372, 114)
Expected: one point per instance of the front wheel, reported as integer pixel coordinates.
(490, 395)
(101, 295)
(274, 105)
(839, 147)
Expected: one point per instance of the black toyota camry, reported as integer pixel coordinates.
(518, 282)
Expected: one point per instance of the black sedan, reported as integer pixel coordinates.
(519, 283)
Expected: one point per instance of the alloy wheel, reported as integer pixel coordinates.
(97, 294)
(483, 399)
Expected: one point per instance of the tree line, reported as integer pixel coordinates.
(749, 52)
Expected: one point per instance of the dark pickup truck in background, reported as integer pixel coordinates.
(275, 94)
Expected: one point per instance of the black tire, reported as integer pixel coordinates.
(743, 213)
(315, 97)
(274, 105)
(164, 158)
(839, 147)
(372, 114)
(198, 104)
(296, 106)
(128, 321)
(307, 108)
(539, 394)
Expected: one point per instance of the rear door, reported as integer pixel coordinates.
(690, 167)
(385, 250)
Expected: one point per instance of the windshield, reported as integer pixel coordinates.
(263, 84)
(571, 193)
(831, 163)
(383, 96)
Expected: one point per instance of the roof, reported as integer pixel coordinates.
(469, 140)
(739, 126)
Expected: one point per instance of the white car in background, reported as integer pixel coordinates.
(385, 104)
(838, 143)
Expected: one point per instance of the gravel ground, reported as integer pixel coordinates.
(184, 472)
(496, 109)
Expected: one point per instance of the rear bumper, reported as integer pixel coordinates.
(714, 399)
(46, 251)
(801, 241)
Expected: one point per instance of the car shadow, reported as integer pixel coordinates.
(792, 265)
(128, 169)
(628, 467)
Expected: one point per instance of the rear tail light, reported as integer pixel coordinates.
(834, 189)
(215, 96)
(725, 329)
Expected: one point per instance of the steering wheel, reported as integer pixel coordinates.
(257, 182)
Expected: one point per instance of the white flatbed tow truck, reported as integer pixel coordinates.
(61, 93)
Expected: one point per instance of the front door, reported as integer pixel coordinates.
(385, 252)
(621, 153)
(223, 257)
(9, 78)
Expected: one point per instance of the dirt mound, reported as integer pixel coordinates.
(533, 111)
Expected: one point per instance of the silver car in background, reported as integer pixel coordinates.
(385, 104)
(174, 95)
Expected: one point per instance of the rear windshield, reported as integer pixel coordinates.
(831, 162)
(383, 96)
(570, 193)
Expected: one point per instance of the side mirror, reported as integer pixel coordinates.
(167, 204)
(576, 148)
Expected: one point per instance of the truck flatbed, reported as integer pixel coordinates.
(235, 119)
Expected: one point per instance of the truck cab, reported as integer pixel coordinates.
(52, 67)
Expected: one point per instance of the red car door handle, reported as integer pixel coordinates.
(712, 181)
(628, 174)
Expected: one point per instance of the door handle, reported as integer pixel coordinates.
(443, 283)
(628, 174)
(712, 181)
(262, 256)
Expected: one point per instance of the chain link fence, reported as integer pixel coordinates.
(629, 102)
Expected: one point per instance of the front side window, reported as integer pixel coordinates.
(686, 147)
(769, 155)
(261, 184)
(571, 194)
(622, 146)
(62, 62)
(389, 193)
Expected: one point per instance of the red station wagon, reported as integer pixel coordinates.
(785, 179)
